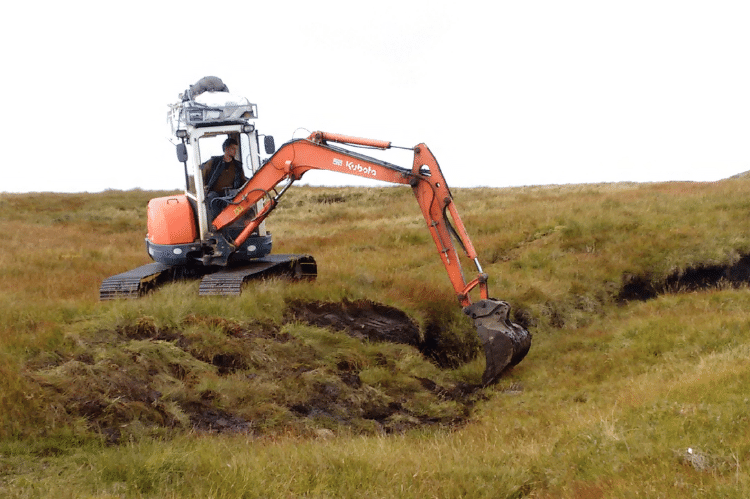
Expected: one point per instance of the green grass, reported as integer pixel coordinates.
(634, 399)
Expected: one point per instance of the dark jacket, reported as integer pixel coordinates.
(219, 175)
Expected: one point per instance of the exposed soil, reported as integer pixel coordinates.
(143, 376)
(362, 319)
(375, 322)
(696, 278)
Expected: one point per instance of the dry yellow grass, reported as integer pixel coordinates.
(635, 399)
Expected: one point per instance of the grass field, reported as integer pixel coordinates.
(175, 396)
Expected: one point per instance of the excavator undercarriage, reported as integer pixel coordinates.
(213, 280)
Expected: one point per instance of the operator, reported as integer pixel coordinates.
(221, 173)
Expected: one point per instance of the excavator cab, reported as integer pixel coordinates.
(180, 229)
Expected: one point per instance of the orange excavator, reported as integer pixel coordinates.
(221, 238)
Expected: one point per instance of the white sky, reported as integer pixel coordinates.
(504, 93)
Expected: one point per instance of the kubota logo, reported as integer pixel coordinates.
(356, 167)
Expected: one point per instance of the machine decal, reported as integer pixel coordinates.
(360, 169)
(355, 167)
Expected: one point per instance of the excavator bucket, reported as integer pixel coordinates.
(505, 343)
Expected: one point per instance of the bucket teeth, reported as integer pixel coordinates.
(505, 343)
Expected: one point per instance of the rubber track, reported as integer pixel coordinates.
(229, 281)
(131, 284)
(137, 282)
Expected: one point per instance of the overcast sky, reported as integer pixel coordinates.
(504, 93)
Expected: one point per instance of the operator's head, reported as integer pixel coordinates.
(229, 142)
(230, 148)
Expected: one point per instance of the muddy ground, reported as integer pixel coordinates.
(145, 379)
(695, 278)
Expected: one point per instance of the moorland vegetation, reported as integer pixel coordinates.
(635, 384)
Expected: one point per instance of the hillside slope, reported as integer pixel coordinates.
(635, 382)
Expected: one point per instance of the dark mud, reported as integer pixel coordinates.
(362, 319)
(696, 278)
(370, 321)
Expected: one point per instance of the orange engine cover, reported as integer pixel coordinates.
(171, 220)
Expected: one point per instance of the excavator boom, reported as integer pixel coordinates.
(505, 343)
(297, 157)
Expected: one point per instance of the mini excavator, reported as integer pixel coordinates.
(222, 239)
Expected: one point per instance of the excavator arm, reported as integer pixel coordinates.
(295, 158)
(505, 343)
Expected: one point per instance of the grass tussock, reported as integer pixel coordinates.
(635, 384)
